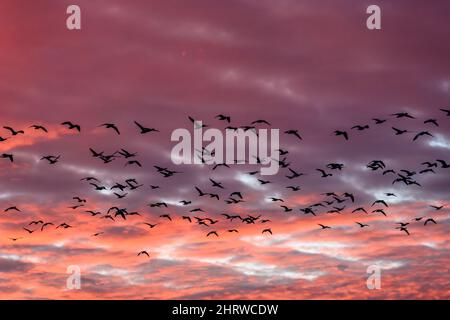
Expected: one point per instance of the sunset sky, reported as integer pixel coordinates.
(310, 65)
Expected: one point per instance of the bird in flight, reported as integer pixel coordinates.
(150, 225)
(212, 233)
(324, 226)
(97, 234)
(361, 128)
(433, 121)
(429, 220)
(403, 229)
(145, 130)
(39, 127)
(223, 118)
(422, 133)
(362, 225)
(71, 126)
(294, 133)
(261, 121)
(12, 209)
(216, 184)
(8, 156)
(14, 132)
(341, 133)
(399, 131)
(111, 126)
(379, 121)
(196, 123)
(402, 115)
(143, 253)
(447, 111)
(324, 174)
(267, 231)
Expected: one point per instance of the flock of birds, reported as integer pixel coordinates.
(332, 202)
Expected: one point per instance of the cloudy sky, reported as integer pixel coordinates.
(306, 65)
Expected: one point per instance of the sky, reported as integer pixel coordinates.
(312, 66)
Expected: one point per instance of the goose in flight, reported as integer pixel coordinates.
(324, 174)
(403, 224)
(14, 208)
(197, 123)
(399, 131)
(145, 130)
(360, 128)
(433, 121)
(295, 174)
(150, 225)
(380, 202)
(286, 209)
(237, 194)
(212, 233)
(14, 132)
(45, 225)
(294, 133)
(8, 156)
(29, 231)
(111, 126)
(216, 184)
(39, 127)
(422, 133)
(324, 226)
(143, 253)
(222, 117)
(341, 133)
(261, 121)
(359, 209)
(379, 121)
(403, 229)
(71, 126)
(79, 199)
(403, 115)
(362, 225)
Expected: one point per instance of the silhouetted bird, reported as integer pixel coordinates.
(433, 121)
(144, 253)
(294, 133)
(14, 132)
(145, 130)
(38, 127)
(111, 126)
(71, 126)
(341, 133)
(223, 118)
(402, 115)
(422, 133)
(362, 225)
